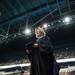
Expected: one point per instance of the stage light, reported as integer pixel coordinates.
(27, 31)
(67, 20)
(45, 25)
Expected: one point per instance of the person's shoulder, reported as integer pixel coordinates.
(47, 37)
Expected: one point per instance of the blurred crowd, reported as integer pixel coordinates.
(64, 53)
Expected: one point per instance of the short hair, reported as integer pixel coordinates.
(42, 31)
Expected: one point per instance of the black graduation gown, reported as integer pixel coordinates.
(42, 58)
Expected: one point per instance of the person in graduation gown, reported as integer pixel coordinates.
(42, 59)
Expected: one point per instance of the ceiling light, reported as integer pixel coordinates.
(27, 31)
(67, 20)
(45, 25)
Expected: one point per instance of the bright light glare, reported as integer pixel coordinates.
(35, 45)
(66, 60)
(15, 65)
(45, 25)
(67, 20)
(27, 31)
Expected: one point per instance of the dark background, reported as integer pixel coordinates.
(14, 15)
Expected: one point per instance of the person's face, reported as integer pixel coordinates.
(39, 33)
